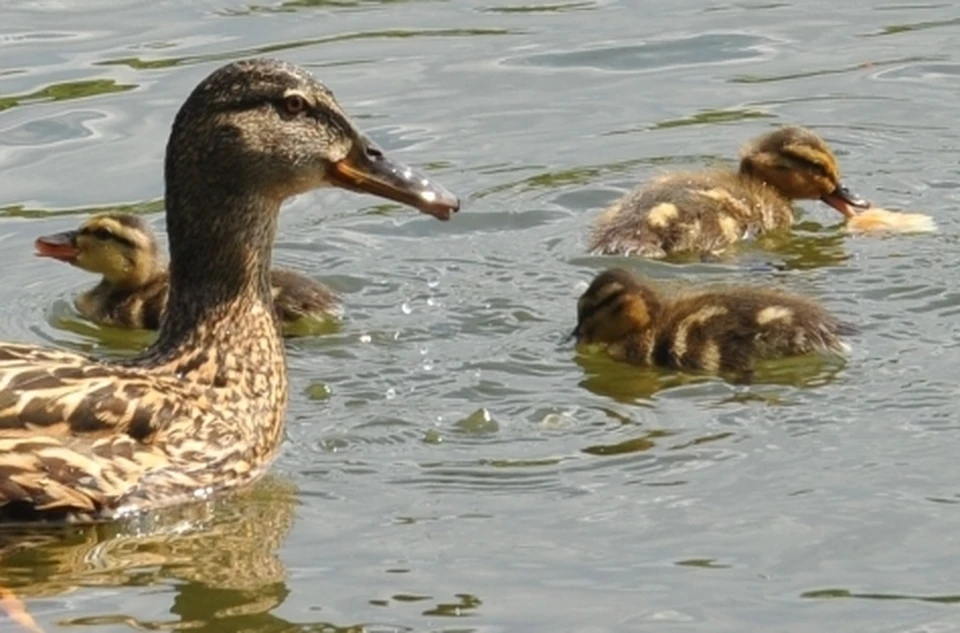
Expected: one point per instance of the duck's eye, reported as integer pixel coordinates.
(294, 104)
(102, 234)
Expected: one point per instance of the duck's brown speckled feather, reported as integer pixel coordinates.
(203, 408)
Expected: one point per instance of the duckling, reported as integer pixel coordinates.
(705, 212)
(132, 292)
(202, 409)
(714, 331)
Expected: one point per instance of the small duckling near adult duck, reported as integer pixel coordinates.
(132, 292)
(202, 410)
(721, 330)
(705, 212)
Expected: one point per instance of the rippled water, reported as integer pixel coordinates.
(450, 465)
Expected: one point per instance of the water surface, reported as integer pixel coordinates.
(449, 464)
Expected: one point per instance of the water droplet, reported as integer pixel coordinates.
(433, 283)
(319, 391)
(427, 365)
(405, 308)
(431, 302)
(365, 338)
(391, 393)
(480, 421)
(432, 437)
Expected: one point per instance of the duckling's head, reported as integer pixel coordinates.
(615, 306)
(118, 246)
(266, 129)
(799, 164)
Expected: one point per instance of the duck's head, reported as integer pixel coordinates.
(118, 246)
(617, 304)
(268, 129)
(799, 164)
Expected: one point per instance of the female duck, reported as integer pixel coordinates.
(713, 331)
(132, 292)
(705, 212)
(202, 409)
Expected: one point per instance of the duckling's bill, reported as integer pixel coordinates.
(368, 170)
(842, 199)
(60, 246)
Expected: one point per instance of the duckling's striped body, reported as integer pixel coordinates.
(705, 212)
(690, 212)
(726, 330)
(202, 409)
(132, 292)
(120, 306)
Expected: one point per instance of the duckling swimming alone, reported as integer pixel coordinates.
(704, 212)
(132, 292)
(714, 331)
(202, 410)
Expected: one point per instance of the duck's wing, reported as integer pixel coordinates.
(74, 433)
(60, 394)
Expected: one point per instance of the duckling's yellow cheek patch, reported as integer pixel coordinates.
(877, 220)
(662, 214)
(774, 313)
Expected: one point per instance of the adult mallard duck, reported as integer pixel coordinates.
(705, 212)
(202, 409)
(132, 292)
(721, 330)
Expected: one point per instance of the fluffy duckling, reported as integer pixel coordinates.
(132, 292)
(714, 331)
(704, 212)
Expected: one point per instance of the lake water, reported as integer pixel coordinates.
(450, 465)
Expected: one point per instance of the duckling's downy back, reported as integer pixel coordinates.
(717, 330)
(705, 212)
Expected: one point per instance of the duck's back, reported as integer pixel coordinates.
(729, 330)
(700, 212)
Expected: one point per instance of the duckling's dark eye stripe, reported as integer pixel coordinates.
(104, 234)
(601, 305)
(809, 164)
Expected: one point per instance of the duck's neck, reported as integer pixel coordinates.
(220, 322)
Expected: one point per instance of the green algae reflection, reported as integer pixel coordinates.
(66, 91)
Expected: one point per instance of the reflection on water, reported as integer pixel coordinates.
(628, 384)
(221, 560)
(698, 50)
(453, 467)
(65, 92)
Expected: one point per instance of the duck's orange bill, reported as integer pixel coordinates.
(366, 169)
(61, 246)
